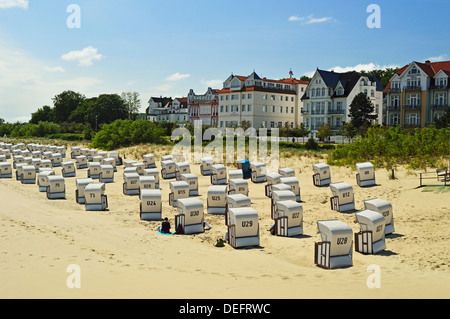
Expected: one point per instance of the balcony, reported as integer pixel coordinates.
(336, 112)
(439, 106)
(412, 88)
(395, 90)
(439, 87)
(409, 107)
(317, 112)
(393, 108)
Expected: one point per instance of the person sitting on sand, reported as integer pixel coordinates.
(165, 226)
(206, 225)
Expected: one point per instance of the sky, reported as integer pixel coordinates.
(166, 48)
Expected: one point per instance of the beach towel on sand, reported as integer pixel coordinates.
(167, 234)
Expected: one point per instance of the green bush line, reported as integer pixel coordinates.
(386, 148)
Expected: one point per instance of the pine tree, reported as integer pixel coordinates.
(362, 113)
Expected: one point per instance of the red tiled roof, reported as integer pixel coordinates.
(430, 68)
(285, 81)
(256, 88)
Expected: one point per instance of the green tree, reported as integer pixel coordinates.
(348, 130)
(132, 102)
(305, 78)
(325, 131)
(444, 120)
(44, 114)
(361, 113)
(64, 104)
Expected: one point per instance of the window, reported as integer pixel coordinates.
(227, 97)
(226, 109)
(264, 108)
(264, 96)
(243, 96)
(372, 93)
(394, 118)
(365, 92)
(441, 82)
(287, 98)
(323, 91)
(440, 99)
(221, 109)
(272, 124)
(243, 108)
(280, 109)
(292, 110)
(292, 99)
(249, 96)
(221, 97)
(249, 108)
(272, 97)
(413, 99)
(280, 125)
(281, 98)
(235, 83)
(235, 97)
(287, 109)
(264, 124)
(413, 119)
(273, 108)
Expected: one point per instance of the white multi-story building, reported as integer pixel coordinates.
(417, 94)
(329, 94)
(168, 110)
(260, 102)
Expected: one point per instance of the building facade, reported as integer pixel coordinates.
(168, 110)
(417, 94)
(260, 102)
(204, 107)
(329, 95)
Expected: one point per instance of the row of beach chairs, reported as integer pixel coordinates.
(227, 195)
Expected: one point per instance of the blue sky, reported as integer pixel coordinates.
(168, 47)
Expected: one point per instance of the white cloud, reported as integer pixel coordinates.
(296, 18)
(367, 67)
(362, 67)
(28, 83)
(442, 57)
(309, 19)
(312, 20)
(54, 69)
(84, 57)
(177, 77)
(7, 4)
(214, 84)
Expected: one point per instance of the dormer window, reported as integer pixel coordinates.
(235, 83)
(414, 71)
(340, 91)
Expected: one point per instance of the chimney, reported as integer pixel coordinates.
(427, 61)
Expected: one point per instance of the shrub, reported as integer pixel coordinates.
(312, 145)
(123, 133)
(386, 148)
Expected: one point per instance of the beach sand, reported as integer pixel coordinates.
(120, 256)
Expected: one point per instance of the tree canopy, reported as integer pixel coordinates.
(361, 113)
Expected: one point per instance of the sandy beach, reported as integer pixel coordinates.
(121, 256)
